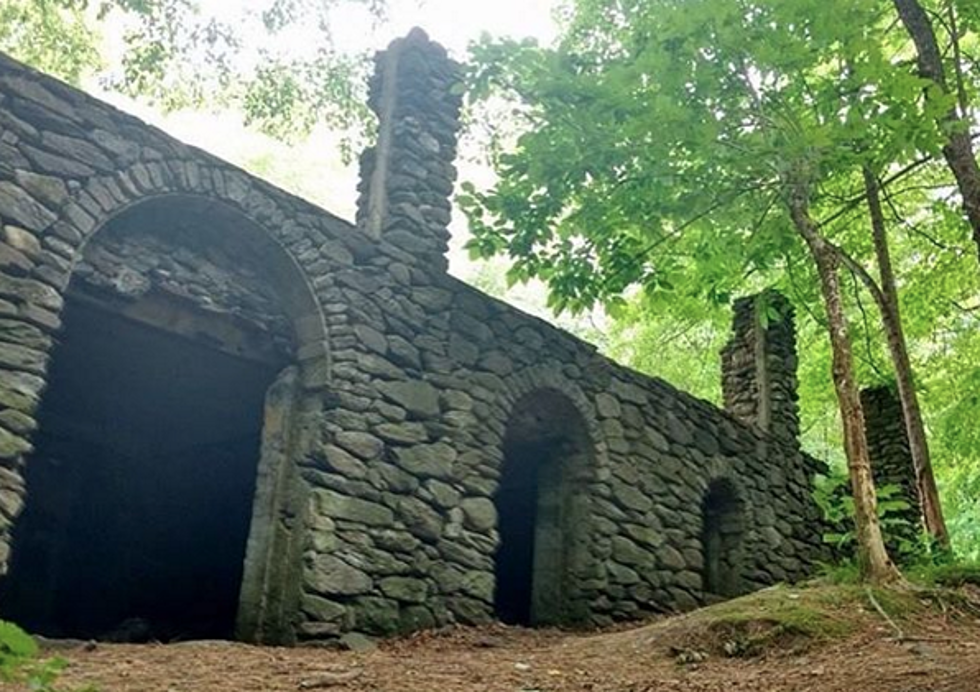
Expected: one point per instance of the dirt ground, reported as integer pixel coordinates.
(930, 652)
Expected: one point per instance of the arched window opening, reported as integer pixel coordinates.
(722, 533)
(542, 507)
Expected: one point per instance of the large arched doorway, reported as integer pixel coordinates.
(140, 488)
(723, 527)
(542, 504)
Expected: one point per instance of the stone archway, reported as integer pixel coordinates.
(542, 505)
(722, 537)
(161, 466)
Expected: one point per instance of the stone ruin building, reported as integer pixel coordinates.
(230, 413)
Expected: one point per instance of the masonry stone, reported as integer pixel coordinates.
(320, 609)
(480, 513)
(405, 589)
(339, 506)
(417, 397)
(421, 519)
(405, 433)
(427, 461)
(362, 445)
(331, 576)
(343, 462)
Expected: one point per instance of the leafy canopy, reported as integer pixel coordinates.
(275, 60)
(658, 138)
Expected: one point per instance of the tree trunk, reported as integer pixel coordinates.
(891, 317)
(873, 559)
(958, 149)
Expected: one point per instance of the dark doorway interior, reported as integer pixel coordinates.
(140, 489)
(517, 509)
(722, 532)
(542, 508)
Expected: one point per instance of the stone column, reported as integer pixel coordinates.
(759, 366)
(407, 177)
(891, 458)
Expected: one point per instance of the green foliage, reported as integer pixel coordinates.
(833, 496)
(656, 150)
(649, 173)
(51, 35)
(16, 645)
(929, 573)
(808, 611)
(19, 662)
(782, 618)
(677, 339)
(842, 572)
(274, 61)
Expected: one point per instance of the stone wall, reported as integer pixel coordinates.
(381, 512)
(425, 456)
(71, 166)
(167, 253)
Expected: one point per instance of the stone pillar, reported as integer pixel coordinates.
(759, 366)
(262, 611)
(891, 458)
(407, 177)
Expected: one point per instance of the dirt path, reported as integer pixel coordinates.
(816, 637)
(945, 658)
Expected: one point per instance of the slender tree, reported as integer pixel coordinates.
(953, 114)
(875, 563)
(887, 298)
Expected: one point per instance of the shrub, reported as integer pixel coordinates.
(20, 662)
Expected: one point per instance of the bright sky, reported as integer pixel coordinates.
(454, 23)
(313, 169)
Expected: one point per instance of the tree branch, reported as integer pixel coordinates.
(860, 198)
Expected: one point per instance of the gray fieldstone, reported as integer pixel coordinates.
(337, 506)
(416, 397)
(360, 444)
(343, 462)
(480, 513)
(405, 589)
(331, 576)
(427, 461)
(18, 205)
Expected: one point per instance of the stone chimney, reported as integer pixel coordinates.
(759, 366)
(891, 456)
(407, 177)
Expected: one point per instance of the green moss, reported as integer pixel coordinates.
(810, 612)
(953, 575)
(784, 618)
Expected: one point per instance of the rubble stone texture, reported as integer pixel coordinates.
(407, 401)
(759, 366)
(891, 460)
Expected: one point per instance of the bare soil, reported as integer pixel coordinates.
(786, 640)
